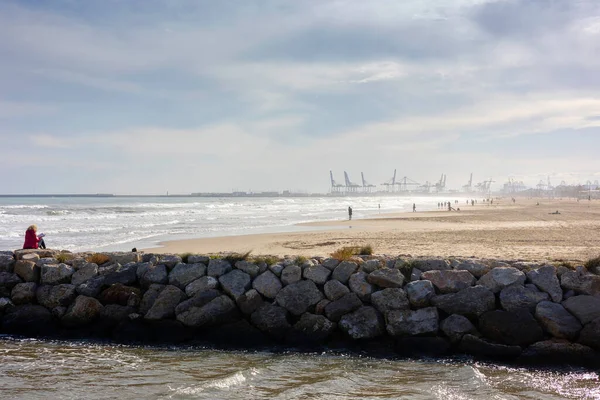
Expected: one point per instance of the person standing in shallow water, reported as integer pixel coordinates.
(349, 213)
(32, 239)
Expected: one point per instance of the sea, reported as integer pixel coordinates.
(73, 369)
(122, 223)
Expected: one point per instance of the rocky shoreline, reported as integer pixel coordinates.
(497, 309)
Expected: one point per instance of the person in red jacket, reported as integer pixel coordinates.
(32, 240)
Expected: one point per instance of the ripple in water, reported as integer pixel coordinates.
(34, 369)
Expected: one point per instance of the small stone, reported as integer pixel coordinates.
(371, 265)
(449, 281)
(415, 275)
(276, 269)
(475, 268)
(343, 271)
(170, 260)
(218, 267)
(420, 293)
(291, 274)
(251, 269)
(198, 259)
(318, 274)
(359, 285)
(431, 264)
(330, 263)
(501, 277)
(386, 278)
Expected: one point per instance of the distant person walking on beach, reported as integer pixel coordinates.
(33, 240)
(414, 207)
(349, 213)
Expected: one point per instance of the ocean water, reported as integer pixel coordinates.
(120, 223)
(38, 369)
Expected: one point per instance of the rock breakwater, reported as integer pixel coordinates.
(408, 306)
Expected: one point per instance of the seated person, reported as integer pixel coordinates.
(32, 240)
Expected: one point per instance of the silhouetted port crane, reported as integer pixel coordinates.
(390, 184)
(469, 186)
(335, 187)
(404, 184)
(350, 186)
(441, 185)
(367, 187)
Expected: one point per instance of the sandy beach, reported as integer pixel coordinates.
(523, 230)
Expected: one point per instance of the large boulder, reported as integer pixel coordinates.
(449, 281)
(85, 273)
(585, 308)
(27, 270)
(390, 299)
(121, 294)
(476, 269)
(170, 260)
(471, 344)
(581, 282)
(165, 303)
(359, 285)
(125, 275)
(420, 293)
(317, 273)
(92, 287)
(8, 281)
(200, 285)
(411, 323)
(218, 267)
(456, 326)
(431, 264)
(235, 283)
(184, 274)
(272, 320)
(24, 293)
(501, 277)
(470, 302)
(248, 267)
(150, 297)
(342, 306)
(28, 319)
(364, 323)
(250, 302)
(343, 271)
(123, 257)
(335, 290)
(149, 274)
(557, 321)
(546, 280)
(82, 312)
(291, 274)
(386, 278)
(311, 328)
(519, 297)
(590, 334)
(267, 284)
(199, 300)
(51, 296)
(218, 311)
(56, 274)
(513, 328)
(7, 262)
(298, 297)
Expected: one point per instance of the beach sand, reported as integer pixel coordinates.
(504, 230)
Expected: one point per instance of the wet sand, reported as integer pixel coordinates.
(504, 230)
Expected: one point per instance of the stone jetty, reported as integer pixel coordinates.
(498, 309)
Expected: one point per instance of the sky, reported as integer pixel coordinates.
(150, 96)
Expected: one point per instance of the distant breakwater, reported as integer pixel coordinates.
(510, 310)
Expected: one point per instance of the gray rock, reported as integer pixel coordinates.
(198, 259)
(386, 278)
(5, 304)
(456, 326)
(364, 323)
(200, 285)
(581, 282)
(518, 297)
(272, 320)
(165, 303)
(184, 274)
(9, 280)
(431, 264)
(218, 311)
(420, 293)
(471, 344)
(267, 284)
(557, 321)
(415, 275)
(123, 257)
(24, 293)
(501, 277)
(371, 265)
(590, 334)
(105, 269)
(470, 302)
(250, 301)
(560, 350)
(412, 323)
(125, 275)
(359, 285)
(318, 274)
(298, 297)
(218, 267)
(330, 263)
(343, 271)
(512, 328)
(55, 274)
(154, 274)
(449, 281)
(390, 299)
(235, 283)
(46, 260)
(346, 304)
(276, 269)
(51, 296)
(121, 294)
(7, 262)
(86, 272)
(250, 268)
(92, 287)
(335, 290)
(585, 308)
(199, 300)
(312, 328)
(83, 311)
(291, 274)
(170, 260)
(475, 268)
(27, 270)
(546, 280)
